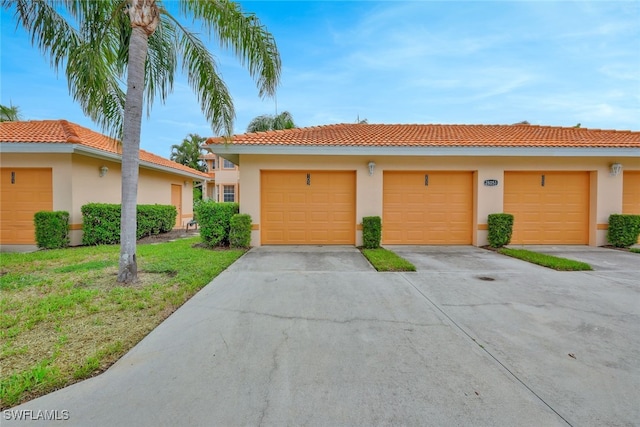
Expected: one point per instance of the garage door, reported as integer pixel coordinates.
(631, 193)
(308, 207)
(428, 208)
(23, 192)
(549, 207)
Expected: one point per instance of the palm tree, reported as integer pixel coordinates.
(267, 122)
(188, 153)
(10, 113)
(99, 42)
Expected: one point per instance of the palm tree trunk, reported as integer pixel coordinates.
(144, 20)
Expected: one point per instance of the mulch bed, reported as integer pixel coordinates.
(168, 237)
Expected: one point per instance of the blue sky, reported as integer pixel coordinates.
(550, 63)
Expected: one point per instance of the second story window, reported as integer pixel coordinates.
(229, 193)
(228, 165)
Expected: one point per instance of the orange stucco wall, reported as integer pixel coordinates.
(605, 190)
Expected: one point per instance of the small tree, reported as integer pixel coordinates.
(189, 152)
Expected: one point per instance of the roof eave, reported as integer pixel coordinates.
(195, 177)
(59, 148)
(231, 151)
(36, 147)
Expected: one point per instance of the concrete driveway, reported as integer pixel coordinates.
(314, 336)
(572, 338)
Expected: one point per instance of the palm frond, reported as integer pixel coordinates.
(261, 123)
(267, 122)
(90, 40)
(95, 72)
(245, 35)
(162, 62)
(203, 77)
(10, 113)
(48, 29)
(283, 120)
(188, 153)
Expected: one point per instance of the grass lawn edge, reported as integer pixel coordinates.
(384, 260)
(545, 260)
(184, 267)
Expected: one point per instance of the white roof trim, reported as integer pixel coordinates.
(36, 147)
(237, 149)
(62, 148)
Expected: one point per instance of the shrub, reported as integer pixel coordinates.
(52, 229)
(215, 221)
(623, 230)
(155, 219)
(197, 194)
(371, 232)
(101, 222)
(240, 231)
(500, 229)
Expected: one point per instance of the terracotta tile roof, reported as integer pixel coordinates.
(64, 132)
(429, 135)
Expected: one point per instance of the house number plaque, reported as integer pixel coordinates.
(490, 182)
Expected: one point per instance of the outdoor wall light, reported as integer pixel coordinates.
(103, 171)
(372, 165)
(616, 168)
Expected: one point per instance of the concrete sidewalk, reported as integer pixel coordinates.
(314, 336)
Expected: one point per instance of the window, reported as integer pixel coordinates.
(212, 164)
(212, 192)
(229, 193)
(228, 165)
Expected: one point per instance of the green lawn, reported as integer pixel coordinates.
(385, 260)
(635, 250)
(63, 316)
(550, 261)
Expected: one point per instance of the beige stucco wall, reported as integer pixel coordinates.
(223, 176)
(77, 181)
(154, 187)
(227, 177)
(87, 186)
(606, 191)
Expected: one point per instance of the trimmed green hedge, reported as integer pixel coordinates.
(240, 231)
(215, 221)
(500, 229)
(371, 232)
(155, 219)
(623, 230)
(52, 229)
(101, 222)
